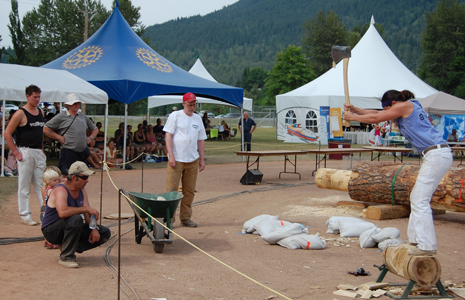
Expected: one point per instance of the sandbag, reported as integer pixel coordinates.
(354, 229)
(386, 233)
(303, 241)
(366, 238)
(281, 233)
(333, 223)
(388, 242)
(269, 226)
(249, 225)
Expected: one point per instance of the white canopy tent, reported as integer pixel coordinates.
(443, 104)
(373, 69)
(197, 69)
(54, 84)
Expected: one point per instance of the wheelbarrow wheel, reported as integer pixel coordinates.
(158, 247)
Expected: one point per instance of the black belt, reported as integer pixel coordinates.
(439, 146)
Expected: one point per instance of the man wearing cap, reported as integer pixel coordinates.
(66, 210)
(28, 121)
(185, 141)
(69, 128)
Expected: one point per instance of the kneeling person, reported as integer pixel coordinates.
(66, 208)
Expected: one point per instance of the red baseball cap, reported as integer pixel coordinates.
(189, 97)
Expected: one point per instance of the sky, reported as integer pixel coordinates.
(152, 11)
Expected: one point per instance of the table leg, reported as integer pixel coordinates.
(286, 159)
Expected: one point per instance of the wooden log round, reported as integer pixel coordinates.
(333, 179)
(372, 182)
(424, 270)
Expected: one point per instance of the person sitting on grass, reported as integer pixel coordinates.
(111, 159)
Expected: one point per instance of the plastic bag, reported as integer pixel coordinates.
(269, 226)
(303, 241)
(386, 233)
(281, 233)
(354, 229)
(366, 238)
(333, 223)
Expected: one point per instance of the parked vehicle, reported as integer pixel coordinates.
(232, 115)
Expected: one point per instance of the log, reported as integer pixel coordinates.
(353, 203)
(425, 271)
(387, 212)
(373, 182)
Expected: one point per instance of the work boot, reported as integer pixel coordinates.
(419, 252)
(188, 223)
(68, 263)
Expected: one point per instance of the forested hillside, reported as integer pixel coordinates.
(249, 33)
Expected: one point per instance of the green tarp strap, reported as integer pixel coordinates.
(393, 182)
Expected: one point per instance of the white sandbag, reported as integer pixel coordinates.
(303, 241)
(389, 242)
(249, 225)
(333, 223)
(366, 238)
(269, 226)
(386, 233)
(354, 229)
(281, 233)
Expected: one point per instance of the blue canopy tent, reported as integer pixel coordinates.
(118, 61)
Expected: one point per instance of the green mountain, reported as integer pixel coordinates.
(249, 33)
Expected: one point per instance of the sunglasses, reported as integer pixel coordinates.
(83, 177)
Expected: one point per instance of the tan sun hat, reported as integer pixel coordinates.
(71, 99)
(80, 168)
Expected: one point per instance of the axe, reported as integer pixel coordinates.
(343, 53)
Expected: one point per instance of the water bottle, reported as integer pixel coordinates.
(93, 222)
(117, 163)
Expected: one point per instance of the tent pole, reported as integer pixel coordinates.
(125, 135)
(242, 133)
(104, 158)
(3, 138)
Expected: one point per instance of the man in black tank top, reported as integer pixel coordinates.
(29, 123)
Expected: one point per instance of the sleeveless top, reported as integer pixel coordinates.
(418, 130)
(31, 135)
(51, 214)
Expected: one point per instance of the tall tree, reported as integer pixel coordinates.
(319, 35)
(291, 71)
(17, 37)
(253, 77)
(443, 45)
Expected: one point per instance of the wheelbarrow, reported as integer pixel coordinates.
(162, 210)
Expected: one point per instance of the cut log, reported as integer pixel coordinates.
(374, 182)
(425, 271)
(387, 212)
(353, 203)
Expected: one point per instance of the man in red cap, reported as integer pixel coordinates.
(185, 141)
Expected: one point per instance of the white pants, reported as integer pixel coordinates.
(31, 171)
(420, 230)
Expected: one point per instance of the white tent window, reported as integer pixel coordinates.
(290, 118)
(311, 121)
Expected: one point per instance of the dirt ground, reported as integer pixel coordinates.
(30, 271)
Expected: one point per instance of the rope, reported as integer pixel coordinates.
(393, 182)
(191, 244)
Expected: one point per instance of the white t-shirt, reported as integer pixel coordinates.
(186, 131)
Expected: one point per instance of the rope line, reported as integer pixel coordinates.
(191, 244)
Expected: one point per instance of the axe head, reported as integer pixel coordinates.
(340, 52)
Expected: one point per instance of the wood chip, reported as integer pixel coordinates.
(367, 294)
(373, 285)
(346, 287)
(345, 293)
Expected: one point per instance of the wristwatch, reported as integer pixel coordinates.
(91, 137)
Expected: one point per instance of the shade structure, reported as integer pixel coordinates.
(197, 69)
(444, 104)
(55, 85)
(119, 62)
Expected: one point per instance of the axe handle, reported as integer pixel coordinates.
(346, 86)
